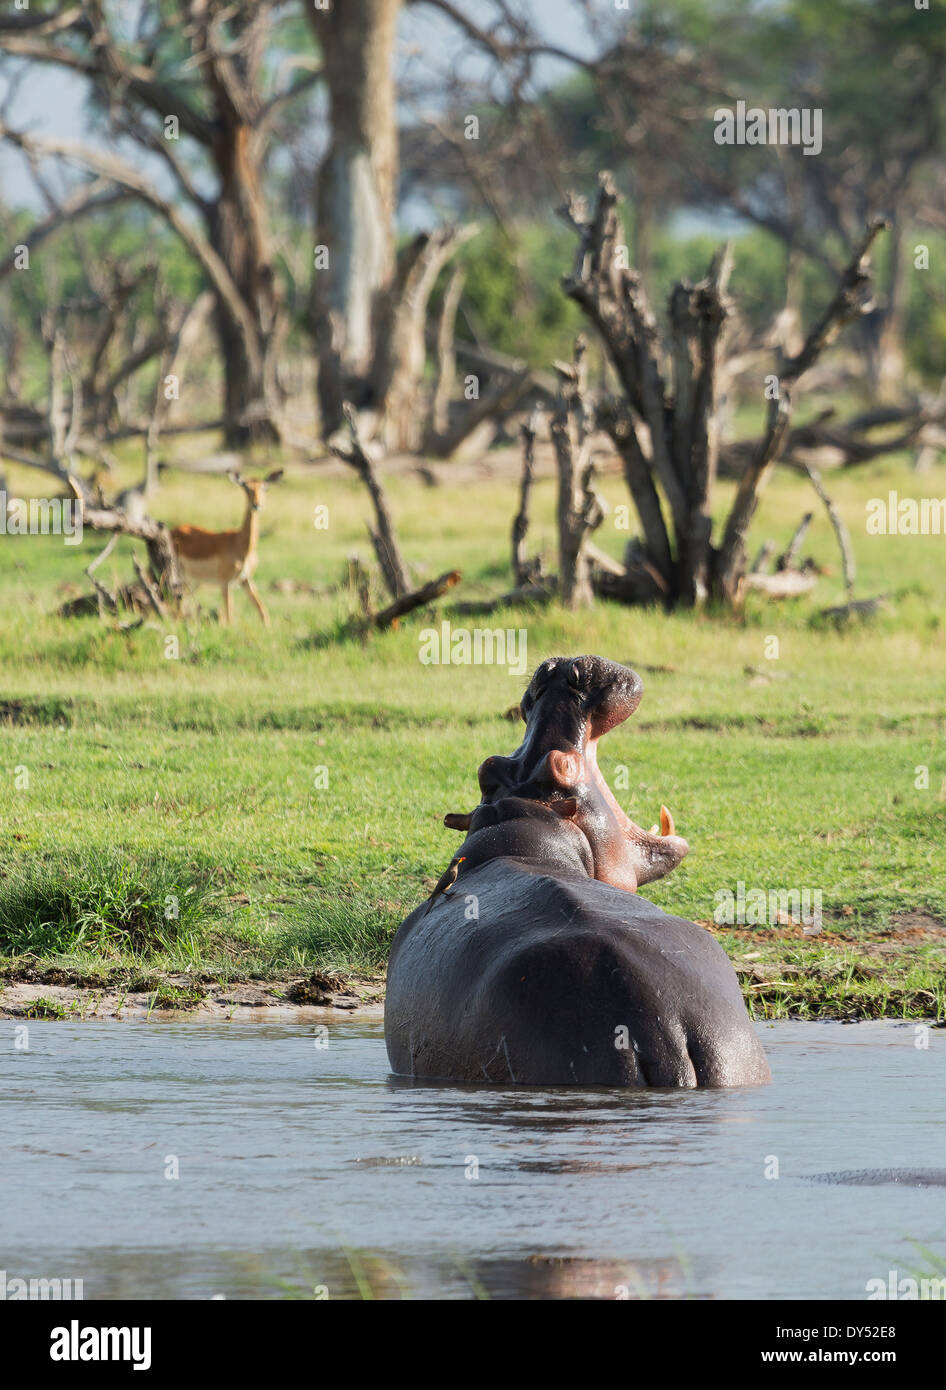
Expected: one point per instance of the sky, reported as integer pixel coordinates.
(51, 101)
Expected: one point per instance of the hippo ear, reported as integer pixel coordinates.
(566, 808)
(564, 769)
(455, 820)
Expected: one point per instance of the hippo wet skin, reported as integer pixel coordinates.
(535, 962)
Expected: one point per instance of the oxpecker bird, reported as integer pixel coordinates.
(446, 880)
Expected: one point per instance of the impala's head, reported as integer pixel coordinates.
(255, 488)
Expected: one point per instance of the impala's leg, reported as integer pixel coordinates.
(226, 612)
(251, 590)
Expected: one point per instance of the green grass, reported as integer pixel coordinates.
(289, 791)
(103, 902)
(47, 1009)
(849, 982)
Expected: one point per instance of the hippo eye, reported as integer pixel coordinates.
(541, 677)
(574, 676)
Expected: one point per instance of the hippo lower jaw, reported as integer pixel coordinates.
(649, 854)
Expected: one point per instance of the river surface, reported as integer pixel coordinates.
(305, 1170)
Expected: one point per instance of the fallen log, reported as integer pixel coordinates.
(406, 603)
(857, 608)
(845, 443)
(526, 593)
(782, 584)
(156, 536)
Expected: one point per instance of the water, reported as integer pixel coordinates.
(304, 1168)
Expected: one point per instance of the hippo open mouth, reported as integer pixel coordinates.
(569, 704)
(650, 853)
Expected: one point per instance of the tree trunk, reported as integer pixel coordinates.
(357, 191)
(238, 230)
(887, 355)
(789, 335)
(580, 509)
(400, 351)
(698, 315)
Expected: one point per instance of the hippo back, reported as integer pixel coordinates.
(524, 977)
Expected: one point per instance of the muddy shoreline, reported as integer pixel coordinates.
(35, 996)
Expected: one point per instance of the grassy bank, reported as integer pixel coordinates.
(271, 802)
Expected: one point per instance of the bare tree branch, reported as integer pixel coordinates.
(87, 199)
(384, 539)
(112, 167)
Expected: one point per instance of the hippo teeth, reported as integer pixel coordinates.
(666, 826)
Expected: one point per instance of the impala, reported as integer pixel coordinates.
(226, 557)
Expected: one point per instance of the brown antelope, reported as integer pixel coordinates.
(226, 557)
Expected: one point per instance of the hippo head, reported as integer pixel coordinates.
(570, 702)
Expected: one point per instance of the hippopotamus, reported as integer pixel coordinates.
(535, 962)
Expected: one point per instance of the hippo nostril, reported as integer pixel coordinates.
(574, 676)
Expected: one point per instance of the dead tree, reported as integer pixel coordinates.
(91, 351)
(665, 424)
(158, 589)
(789, 556)
(472, 425)
(59, 427)
(192, 77)
(400, 348)
(368, 300)
(391, 397)
(383, 537)
(580, 509)
(526, 571)
(446, 353)
(862, 437)
(184, 330)
(840, 530)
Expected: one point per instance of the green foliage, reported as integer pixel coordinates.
(925, 335)
(126, 237)
(757, 286)
(513, 287)
(101, 904)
